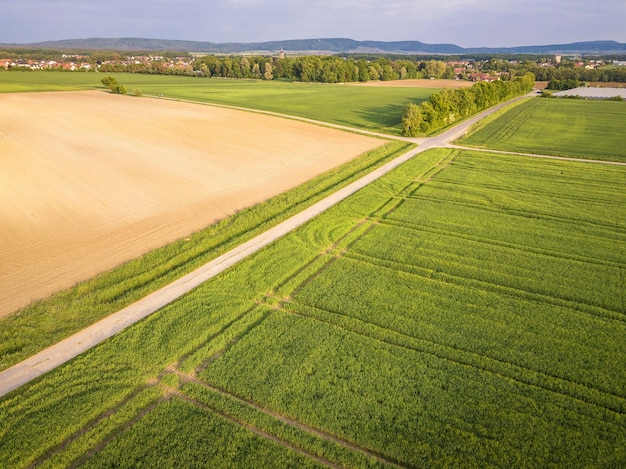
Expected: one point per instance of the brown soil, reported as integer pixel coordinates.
(419, 83)
(90, 180)
(610, 84)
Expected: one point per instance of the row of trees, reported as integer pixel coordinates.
(568, 84)
(448, 106)
(322, 69)
(567, 71)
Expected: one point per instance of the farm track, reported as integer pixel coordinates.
(29, 369)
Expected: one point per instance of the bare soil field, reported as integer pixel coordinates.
(90, 180)
(418, 83)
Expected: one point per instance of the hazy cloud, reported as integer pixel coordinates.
(464, 22)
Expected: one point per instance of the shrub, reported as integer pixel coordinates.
(108, 81)
(118, 89)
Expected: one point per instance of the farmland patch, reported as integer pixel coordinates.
(560, 127)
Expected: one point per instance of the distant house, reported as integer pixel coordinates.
(483, 77)
(6, 63)
(68, 66)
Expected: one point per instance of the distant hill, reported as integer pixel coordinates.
(322, 45)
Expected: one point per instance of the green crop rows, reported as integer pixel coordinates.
(466, 310)
(572, 128)
(372, 108)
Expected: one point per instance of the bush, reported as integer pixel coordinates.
(118, 89)
(108, 81)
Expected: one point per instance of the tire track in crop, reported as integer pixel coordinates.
(504, 244)
(206, 363)
(325, 252)
(104, 443)
(521, 213)
(409, 188)
(484, 285)
(156, 381)
(213, 336)
(320, 433)
(494, 187)
(412, 187)
(257, 431)
(501, 368)
(479, 282)
(86, 428)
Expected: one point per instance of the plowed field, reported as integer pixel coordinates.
(90, 180)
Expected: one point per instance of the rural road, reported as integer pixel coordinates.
(63, 351)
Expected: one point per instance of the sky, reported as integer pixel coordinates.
(466, 23)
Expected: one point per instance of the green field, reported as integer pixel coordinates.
(465, 310)
(574, 128)
(371, 108)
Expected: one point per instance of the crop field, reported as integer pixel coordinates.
(561, 127)
(371, 108)
(468, 309)
(418, 83)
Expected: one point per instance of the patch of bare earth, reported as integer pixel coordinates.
(90, 180)
(418, 83)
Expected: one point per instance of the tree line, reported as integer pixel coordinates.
(447, 106)
(320, 69)
(566, 70)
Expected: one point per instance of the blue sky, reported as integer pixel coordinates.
(467, 23)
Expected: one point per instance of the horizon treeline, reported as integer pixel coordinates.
(336, 69)
(342, 68)
(321, 69)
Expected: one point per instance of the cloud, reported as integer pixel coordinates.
(463, 22)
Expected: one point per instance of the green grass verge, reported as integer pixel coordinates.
(371, 108)
(44, 323)
(465, 310)
(571, 128)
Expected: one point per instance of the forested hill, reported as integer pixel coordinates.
(328, 45)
